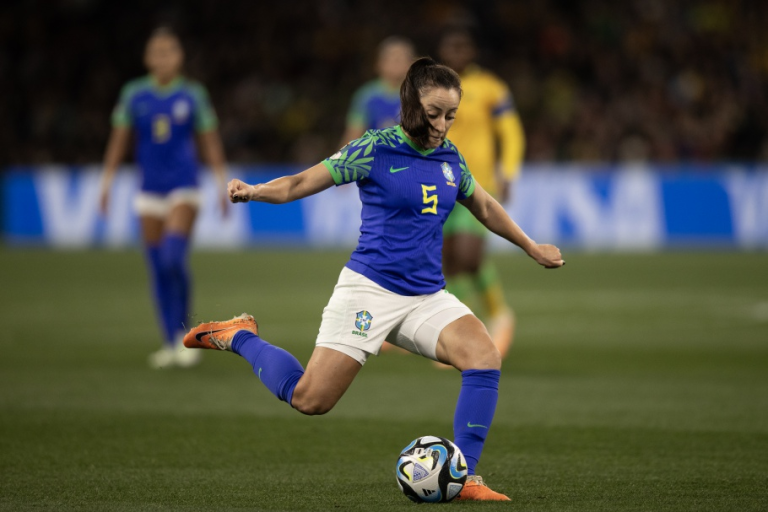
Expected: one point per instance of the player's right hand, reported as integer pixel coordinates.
(239, 191)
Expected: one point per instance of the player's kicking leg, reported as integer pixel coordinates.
(313, 391)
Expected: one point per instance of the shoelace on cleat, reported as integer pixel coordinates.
(477, 479)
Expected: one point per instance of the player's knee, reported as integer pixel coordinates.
(485, 356)
(492, 359)
(311, 407)
(306, 402)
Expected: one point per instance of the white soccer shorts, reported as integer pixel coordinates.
(361, 315)
(151, 204)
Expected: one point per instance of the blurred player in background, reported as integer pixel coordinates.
(165, 113)
(491, 137)
(376, 105)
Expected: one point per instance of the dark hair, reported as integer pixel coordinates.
(423, 74)
(456, 30)
(164, 31)
(391, 41)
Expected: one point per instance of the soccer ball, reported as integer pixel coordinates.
(431, 469)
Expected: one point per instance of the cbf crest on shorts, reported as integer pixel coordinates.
(363, 323)
(448, 173)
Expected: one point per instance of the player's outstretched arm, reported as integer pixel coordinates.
(495, 218)
(282, 190)
(113, 156)
(213, 153)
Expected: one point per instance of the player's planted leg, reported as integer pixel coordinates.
(161, 288)
(174, 253)
(466, 345)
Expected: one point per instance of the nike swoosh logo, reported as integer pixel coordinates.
(199, 336)
(476, 426)
(393, 170)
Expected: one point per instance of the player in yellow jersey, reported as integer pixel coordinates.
(490, 135)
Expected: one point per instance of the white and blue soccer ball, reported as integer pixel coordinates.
(431, 469)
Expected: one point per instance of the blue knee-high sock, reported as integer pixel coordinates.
(174, 258)
(161, 289)
(276, 368)
(474, 412)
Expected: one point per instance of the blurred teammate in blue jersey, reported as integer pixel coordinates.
(376, 104)
(409, 178)
(168, 117)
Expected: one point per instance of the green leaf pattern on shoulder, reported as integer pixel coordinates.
(349, 165)
(388, 136)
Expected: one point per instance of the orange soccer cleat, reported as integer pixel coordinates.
(476, 490)
(218, 335)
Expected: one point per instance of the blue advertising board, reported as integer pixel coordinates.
(590, 207)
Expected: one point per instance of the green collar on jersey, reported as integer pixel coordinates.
(422, 152)
(387, 89)
(168, 88)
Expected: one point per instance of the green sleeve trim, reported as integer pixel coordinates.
(205, 116)
(336, 175)
(120, 120)
(121, 116)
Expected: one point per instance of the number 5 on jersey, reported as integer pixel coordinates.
(429, 199)
(161, 128)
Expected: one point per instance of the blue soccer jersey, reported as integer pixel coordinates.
(407, 193)
(375, 106)
(164, 120)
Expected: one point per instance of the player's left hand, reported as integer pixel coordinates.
(547, 256)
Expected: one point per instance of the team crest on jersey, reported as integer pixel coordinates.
(180, 111)
(448, 173)
(363, 323)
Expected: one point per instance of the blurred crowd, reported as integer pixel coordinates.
(593, 80)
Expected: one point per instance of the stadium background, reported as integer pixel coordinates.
(638, 380)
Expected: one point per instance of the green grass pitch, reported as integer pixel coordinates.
(637, 382)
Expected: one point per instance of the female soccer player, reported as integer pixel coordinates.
(409, 177)
(164, 111)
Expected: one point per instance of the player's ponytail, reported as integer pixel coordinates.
(423, 74)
